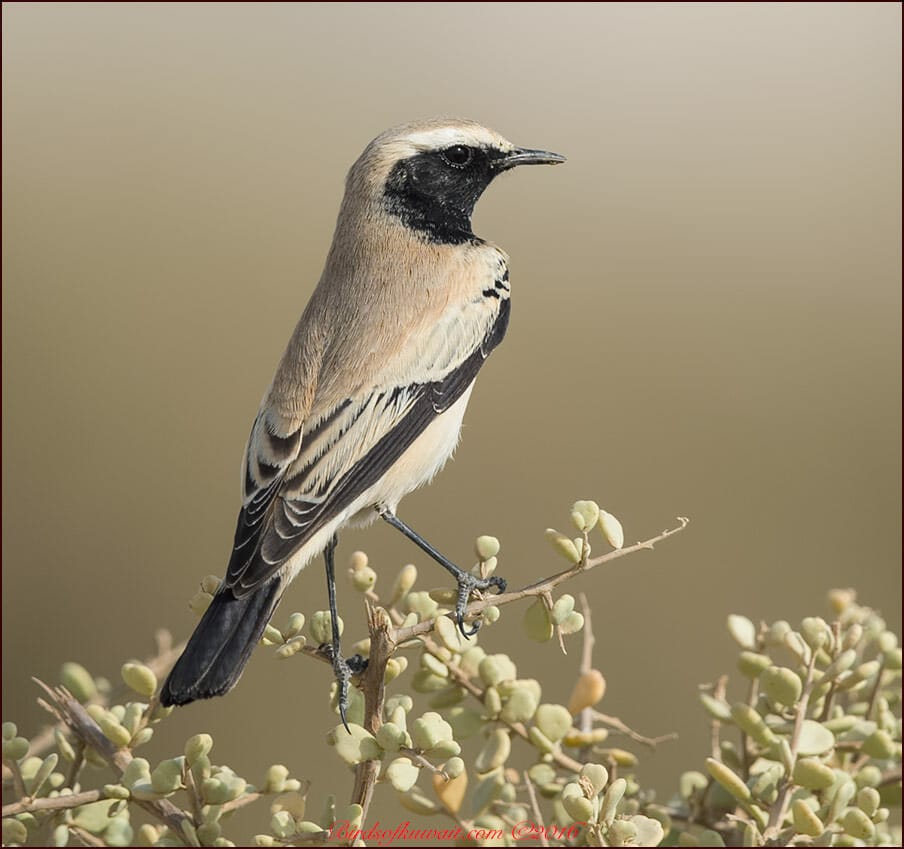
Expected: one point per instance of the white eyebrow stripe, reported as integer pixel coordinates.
(448, 136)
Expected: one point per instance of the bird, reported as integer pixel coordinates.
(367, 401)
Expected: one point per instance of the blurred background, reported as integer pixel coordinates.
(706, 323)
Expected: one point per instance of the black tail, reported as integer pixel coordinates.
(221, 645)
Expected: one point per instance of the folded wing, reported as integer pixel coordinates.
(297, 482)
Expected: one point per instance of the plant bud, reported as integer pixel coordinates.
(417, 803)
(197, 747)
(573, 623)
(486, 547)
(272, 636)
(448, 634)
(812, 774)
(43, 773)
(816, 632)
(355, 745)
(320, 627)
(138, 771)
(585, 515)
(614, 795)
(805, 820)
(868, 800)
(167, 776)
(403, 583)
(562, 609)
(540, 740)
(553, 720)
(429, 730)
(363, 579)
(563, 545)
(275, 780)
(443, 750)
(402, 774)
(752, 724)
(10, 730)
(390, 737)
(579, 808)
(728, 780)
(291, 647)
(751, 664)
(597, 775)
(113, 731)
(742, 631)
(622, 833)
(452, 792)
(76, 679)
(782, 685)
(814, 738)
(14, 832)
(588, 691)
(199, 603)
(879, 745)
(858, 825)
(841, 600)
(581, 740)
(612, 530)
(495, 751)
(537, 623)
(15, 749)
(210, 584)
(776, 633)
(495, 668)
(293, 626)
(520, 706)
(140, 678)
(716, 708)
(63, 745)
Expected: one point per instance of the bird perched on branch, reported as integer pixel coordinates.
(368, 398)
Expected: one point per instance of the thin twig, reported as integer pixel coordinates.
(69, 711)
(57, 803)
(780, 806)
(618, 725)
(715, 726)
(16, 774)
(87, 838)
(586, 660)
(534, 804)
(401, 635)
(871, 703)
(373, 685)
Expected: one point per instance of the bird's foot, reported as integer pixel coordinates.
(468, 583)
(344, 669)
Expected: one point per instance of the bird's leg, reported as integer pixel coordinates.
(467, 582)
(343, 669)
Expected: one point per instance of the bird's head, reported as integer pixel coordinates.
(429, 175)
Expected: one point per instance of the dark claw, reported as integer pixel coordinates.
(344, 670)
(467, 583)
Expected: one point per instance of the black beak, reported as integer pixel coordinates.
(524, 156)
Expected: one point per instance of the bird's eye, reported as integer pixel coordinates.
(458, 156)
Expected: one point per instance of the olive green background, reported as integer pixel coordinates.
(706, 322)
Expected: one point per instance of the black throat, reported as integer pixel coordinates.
(435, 200)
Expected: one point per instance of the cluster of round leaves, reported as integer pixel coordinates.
(471, 693)
(128, 726)
(818, 755)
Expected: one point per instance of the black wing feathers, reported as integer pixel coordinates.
(266, 518)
